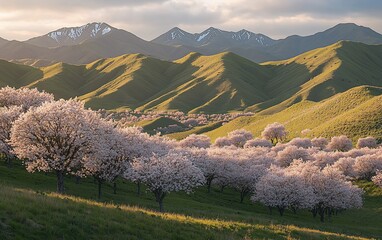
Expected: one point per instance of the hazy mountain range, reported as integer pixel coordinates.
(84, 44)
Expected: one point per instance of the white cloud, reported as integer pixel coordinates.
(148, 18)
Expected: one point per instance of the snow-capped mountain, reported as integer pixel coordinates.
(214, 37)
(68, 36)
(92, 41)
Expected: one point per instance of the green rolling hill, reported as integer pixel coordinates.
(330, 78)
(355, 113)
(220, 83)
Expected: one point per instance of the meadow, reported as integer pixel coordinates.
(30, 208)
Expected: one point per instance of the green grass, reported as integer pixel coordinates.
(195, 130)
(29, 208)
(149, 126)
(355, 113)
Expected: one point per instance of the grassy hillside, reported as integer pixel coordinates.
(30, 209)
(220, 83)
(150, 126)
(195, 130)
(355, 113)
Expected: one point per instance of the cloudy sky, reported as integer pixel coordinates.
(23, 19)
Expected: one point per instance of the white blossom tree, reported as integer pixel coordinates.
(239, 137)
(346, 166)
(198, 141)
(8, 115)
(172, 172)
(209, 161)
(319, 142)
(23, 97)
(377, 179)
(301, 142)
(333, 192)
(274, 132)
(110, 156)
(340, 143)
(141, 145)
(222, 142)
(368, 142)
(258, 142)
(367, 166)
(285, 157)
(281, 189)
(55, 137)
(245, 176)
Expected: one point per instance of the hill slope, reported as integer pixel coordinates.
(30, 209)
(213, 84)
(355, 113)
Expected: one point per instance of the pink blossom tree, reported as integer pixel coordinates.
(23, 97)
(319, 142)
(8, 115)
(198, 141)
(330, 189)
(55, 137)
(258, 142)
(274, 132)
(141, 145)
(377, 179)
(333, 192)
(222, 142)
(367, 166)
(245, 176)
(172, 172)
(340, 143)
(346, 166)
(282, 190)
(240, 137)
(110, 157)
(368, 142)
(285, 157)
(301, 142)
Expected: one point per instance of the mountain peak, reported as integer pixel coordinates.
(347, 25)
(90, 30)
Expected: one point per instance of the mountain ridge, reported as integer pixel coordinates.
(174, 44)
(220, 83)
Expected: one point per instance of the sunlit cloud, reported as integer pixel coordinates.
(148, 18)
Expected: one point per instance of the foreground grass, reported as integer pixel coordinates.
(29, 209)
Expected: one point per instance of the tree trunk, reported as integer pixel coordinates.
(208, 186)
(281, 210)
(78, 179)
(243, 193)
(294, 210)
(9, 161)
(270, 210)
(139, 188)
(114, 187)
(222, 188)
(159, 196)
(99, 188)
(314, 212)
(321, 212)
(60, 181)
(209, 183)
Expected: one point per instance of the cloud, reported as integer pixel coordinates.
(21, 19)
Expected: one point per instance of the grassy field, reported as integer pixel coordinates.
(29, 209)
(355, 113)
